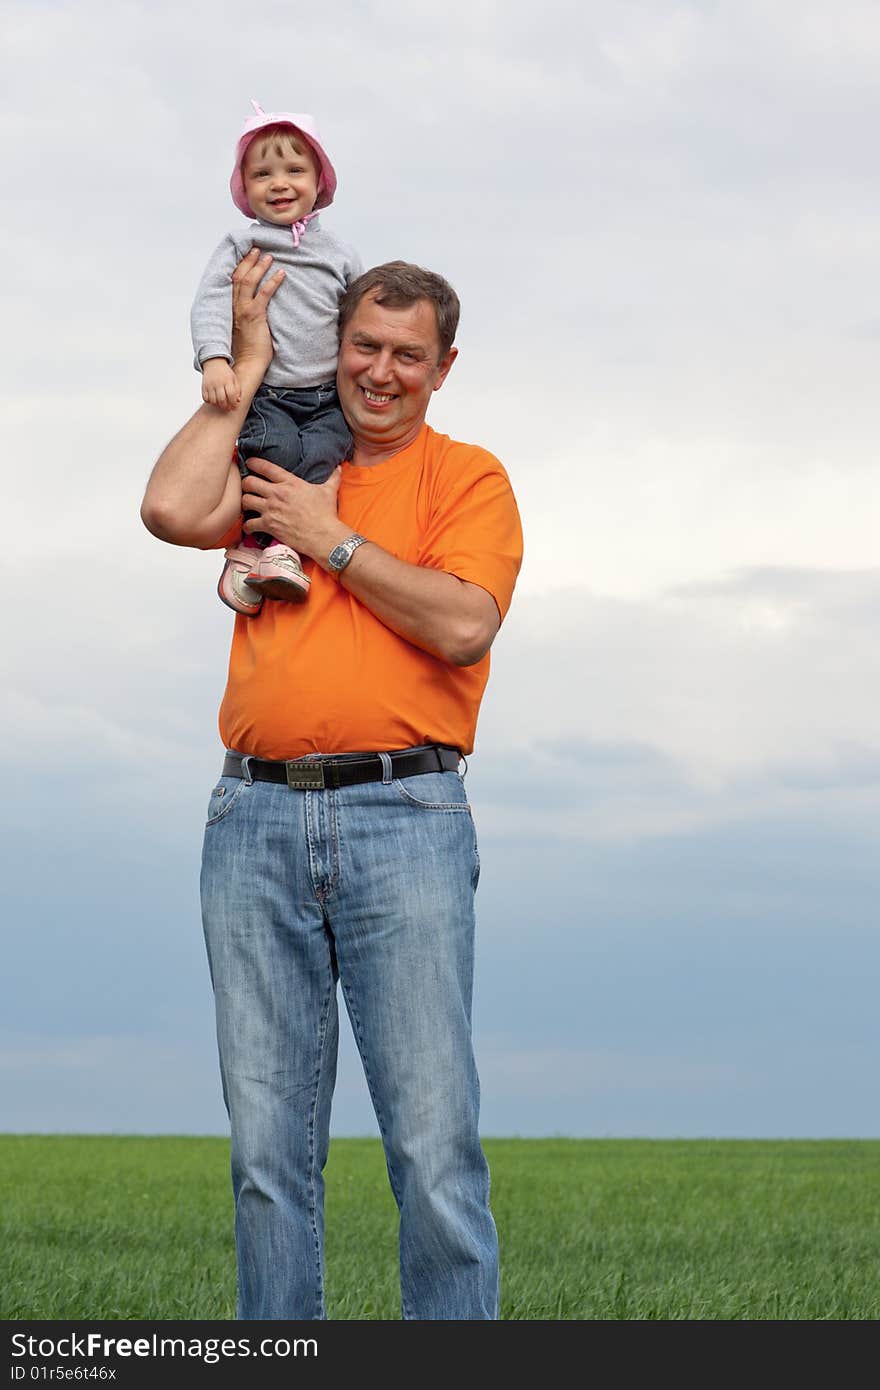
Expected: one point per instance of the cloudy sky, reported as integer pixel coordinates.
(663, 220)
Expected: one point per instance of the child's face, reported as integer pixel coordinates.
(281, 183)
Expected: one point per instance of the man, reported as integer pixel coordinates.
(323, 862)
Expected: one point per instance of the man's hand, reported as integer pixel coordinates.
(220, 384)
(302, 515)
(252, 289)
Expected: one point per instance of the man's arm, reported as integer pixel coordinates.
(446, 616)
(194, 492)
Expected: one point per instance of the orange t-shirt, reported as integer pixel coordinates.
(326, 676)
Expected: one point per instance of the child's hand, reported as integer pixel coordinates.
(220, 384)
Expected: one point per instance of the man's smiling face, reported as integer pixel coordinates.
(389, 366)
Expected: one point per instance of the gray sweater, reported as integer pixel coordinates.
(302, 312)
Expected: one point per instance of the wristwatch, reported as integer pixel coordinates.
(341, 554)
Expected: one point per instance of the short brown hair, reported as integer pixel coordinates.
(280, 138)
(399, 284)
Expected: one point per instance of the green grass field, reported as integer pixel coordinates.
(141, 1228)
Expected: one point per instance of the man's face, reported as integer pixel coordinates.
(389, 366)
(282, 182)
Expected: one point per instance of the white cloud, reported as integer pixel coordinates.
(701, 706)
(662, 266)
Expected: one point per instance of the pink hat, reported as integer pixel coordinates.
(304, 126)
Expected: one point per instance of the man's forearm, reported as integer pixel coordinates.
(194, 492)
(438, 612)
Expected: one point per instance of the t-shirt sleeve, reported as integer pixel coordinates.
(474, 529)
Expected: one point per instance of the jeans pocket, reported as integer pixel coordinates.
(434, 791)
(223, 798)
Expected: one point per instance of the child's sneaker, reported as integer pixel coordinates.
(233, 587)
(279, 574)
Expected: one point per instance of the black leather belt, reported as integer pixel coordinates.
(343, 769)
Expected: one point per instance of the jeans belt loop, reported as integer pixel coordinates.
(246, 770)
(385, 760)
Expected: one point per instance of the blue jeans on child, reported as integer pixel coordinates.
(303, 431)
(371, 885)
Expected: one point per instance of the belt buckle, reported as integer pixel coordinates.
(304, 776)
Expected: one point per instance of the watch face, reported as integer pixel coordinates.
(341, 554)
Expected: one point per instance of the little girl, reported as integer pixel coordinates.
(282, 177)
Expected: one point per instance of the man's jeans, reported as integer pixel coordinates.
(371, 884)
(302, 430)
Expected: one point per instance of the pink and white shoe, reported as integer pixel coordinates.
(233, 587)
(279, 574)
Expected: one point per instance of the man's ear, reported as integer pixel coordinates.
(445, 367)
